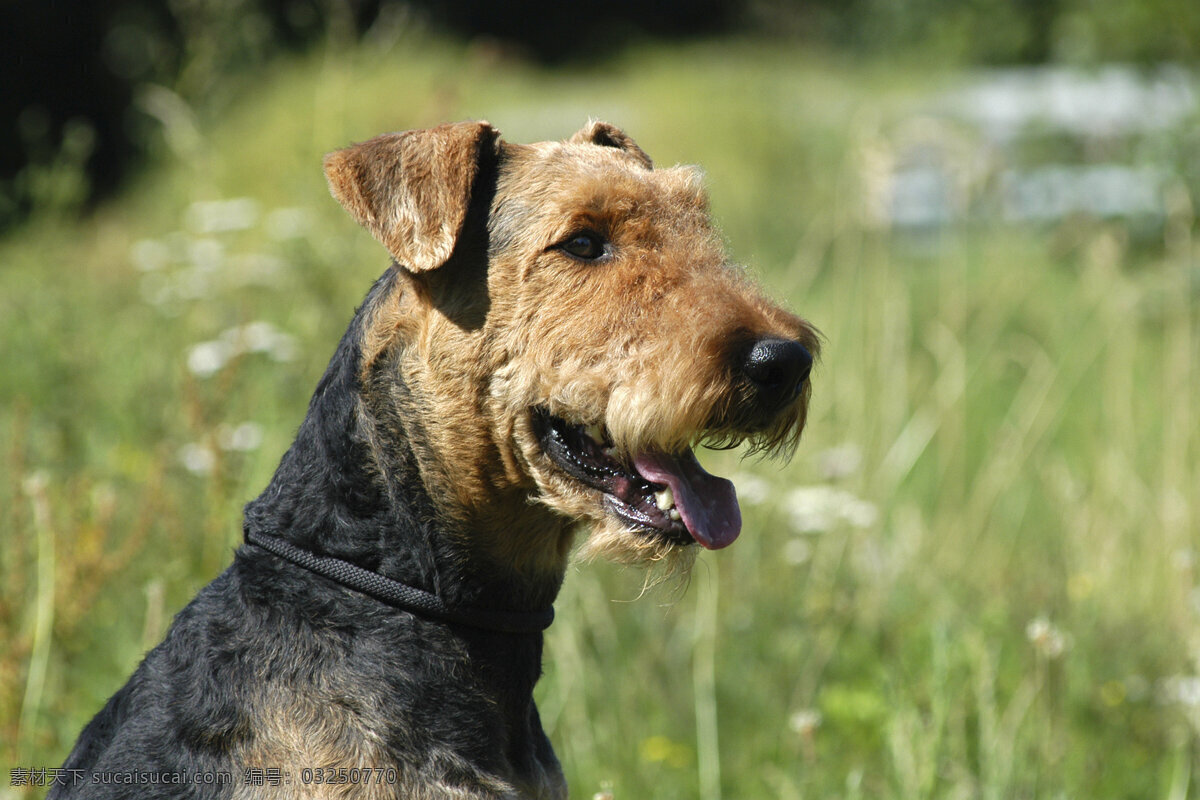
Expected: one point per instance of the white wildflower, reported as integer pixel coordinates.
(1182, 690)
(149, 255)
(805, 721)
(859, 513)
(840, 462)
(1046, 638)
(810, 509)
(263, 337)
(207, 358)
(820, 508)
(751, 489)
(220, 216)
(255, 337)
(205, 254)
(284, 348)
(240, 438)
(35, 483)
(197, 459)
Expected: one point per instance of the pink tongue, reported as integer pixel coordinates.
(707, 504)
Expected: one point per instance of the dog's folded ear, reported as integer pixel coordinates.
(607, 135)
(411, 190)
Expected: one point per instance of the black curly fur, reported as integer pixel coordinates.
(446, 689)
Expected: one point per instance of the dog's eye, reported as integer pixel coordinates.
(586, 245)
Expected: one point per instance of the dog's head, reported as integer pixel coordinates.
(568, 330)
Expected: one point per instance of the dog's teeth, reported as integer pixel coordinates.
(674, 514)
(665, 499)
(595, 431)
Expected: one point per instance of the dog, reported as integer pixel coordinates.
(559, 328)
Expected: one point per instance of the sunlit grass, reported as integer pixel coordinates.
(976, 579)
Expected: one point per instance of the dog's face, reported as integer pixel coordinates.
(606, 338)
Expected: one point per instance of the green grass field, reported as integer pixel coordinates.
(976, 579)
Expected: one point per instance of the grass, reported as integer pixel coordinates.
(977, 578)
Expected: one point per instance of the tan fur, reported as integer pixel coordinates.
(406, 188)
(317, 730)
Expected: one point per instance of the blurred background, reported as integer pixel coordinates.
(978, 577)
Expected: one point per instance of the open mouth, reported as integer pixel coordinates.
(665, 494)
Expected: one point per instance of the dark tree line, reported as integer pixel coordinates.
(70, 69)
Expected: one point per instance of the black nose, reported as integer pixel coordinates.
(778, 369)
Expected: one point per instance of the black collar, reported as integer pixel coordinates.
(401, 595)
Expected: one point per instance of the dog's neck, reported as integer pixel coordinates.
(375, 511)
(379, 517)
(356, 477)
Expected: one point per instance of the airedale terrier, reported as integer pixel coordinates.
(559, 329)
